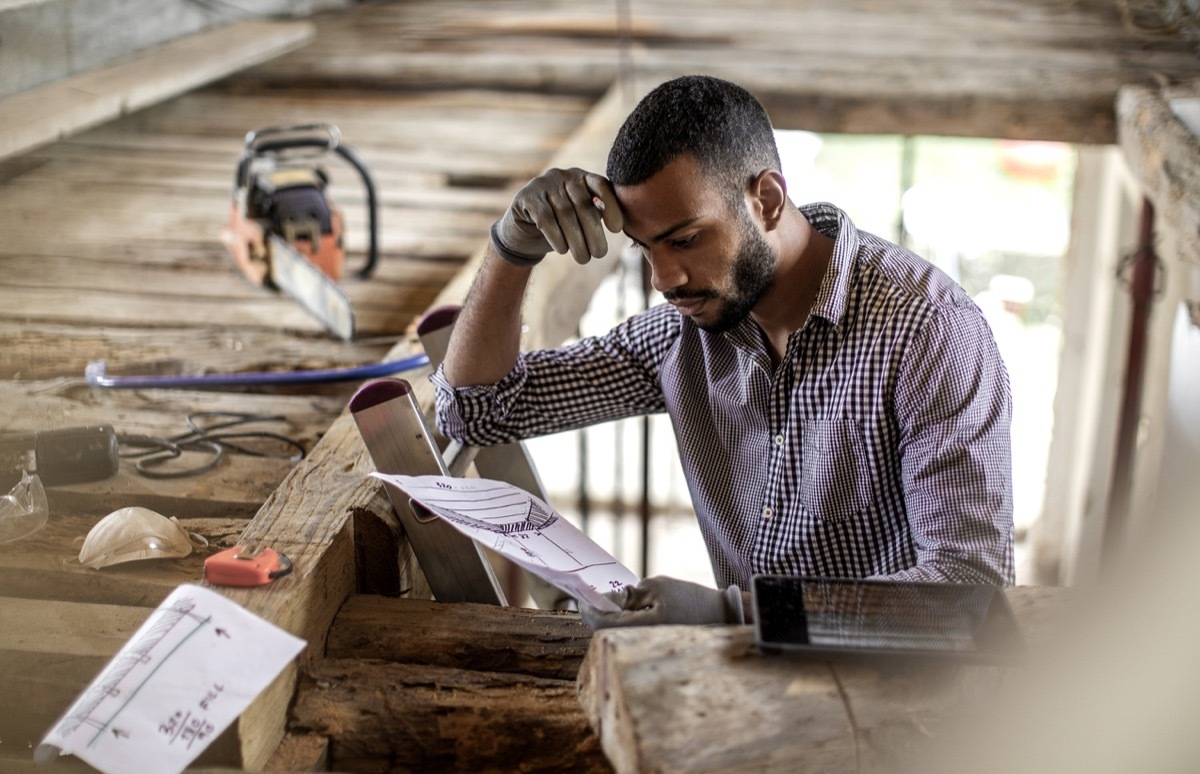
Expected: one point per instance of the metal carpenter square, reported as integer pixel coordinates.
(394, 431)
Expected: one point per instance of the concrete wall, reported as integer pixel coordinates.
(44, 40)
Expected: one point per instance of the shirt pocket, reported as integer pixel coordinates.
(835, 479)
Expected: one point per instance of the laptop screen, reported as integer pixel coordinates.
(839, 616)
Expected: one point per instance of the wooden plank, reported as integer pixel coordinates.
(426, 718)
(43, 114)
(69, 628)
(677, 699)
(50, 651)
(220, 281)
(49, 350)
(269, 312)
(235, 488)
(367, 121)
(48, 683)
(540, 643)
(38, 567)
(33, 406)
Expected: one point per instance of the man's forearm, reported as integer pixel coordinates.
(562, 211)
(487, 334)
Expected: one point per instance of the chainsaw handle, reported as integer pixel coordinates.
(356, 161)
(256, 146)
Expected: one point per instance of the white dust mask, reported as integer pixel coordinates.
(134, 533)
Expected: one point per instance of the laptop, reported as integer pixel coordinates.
(829, 618)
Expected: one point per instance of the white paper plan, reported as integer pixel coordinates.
(182, 679)
(523, 528)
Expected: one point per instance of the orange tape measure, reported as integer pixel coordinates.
(246, 566)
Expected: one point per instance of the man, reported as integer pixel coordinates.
(839, 404)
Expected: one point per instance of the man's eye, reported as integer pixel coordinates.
(680, 244)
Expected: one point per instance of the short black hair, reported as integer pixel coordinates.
(718, 123)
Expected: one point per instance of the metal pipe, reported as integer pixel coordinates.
(96, 376)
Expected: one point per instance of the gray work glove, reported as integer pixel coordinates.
(561, 210)
(663, 600)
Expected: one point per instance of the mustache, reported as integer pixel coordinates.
(683, 295)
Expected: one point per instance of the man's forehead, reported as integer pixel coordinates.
(669, 200)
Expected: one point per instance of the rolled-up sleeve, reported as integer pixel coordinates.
(476, 414)
(596, 379)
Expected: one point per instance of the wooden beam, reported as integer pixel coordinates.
(426, 718)
(658, 697)
(64, 107)
(1165, 156)
(1027, 117)
(1160, 136)
(692, 699)
(702, 699)
(540, 643)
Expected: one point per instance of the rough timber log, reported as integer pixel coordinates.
(539, 643)
(1162, 153)
(384, 717)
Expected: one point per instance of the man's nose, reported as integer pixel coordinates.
(666, 273)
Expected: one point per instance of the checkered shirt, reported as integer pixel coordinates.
(878, 448)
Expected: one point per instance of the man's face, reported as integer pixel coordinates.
(712, 263)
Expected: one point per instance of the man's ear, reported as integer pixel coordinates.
(768, 194)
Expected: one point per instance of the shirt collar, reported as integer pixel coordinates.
(834, 223)
(830, 303)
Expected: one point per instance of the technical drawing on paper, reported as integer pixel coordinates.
(523, 528)
(185, 675)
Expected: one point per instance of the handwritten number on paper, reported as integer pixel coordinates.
(187, 729)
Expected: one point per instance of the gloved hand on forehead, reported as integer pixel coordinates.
(563, 209)
(663, 600)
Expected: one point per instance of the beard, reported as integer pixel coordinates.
(752, 275)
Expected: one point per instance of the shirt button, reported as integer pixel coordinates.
(779, 440)
(768, 512)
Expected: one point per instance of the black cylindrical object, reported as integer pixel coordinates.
(72, 455)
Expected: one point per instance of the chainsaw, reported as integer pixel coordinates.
(285, 231)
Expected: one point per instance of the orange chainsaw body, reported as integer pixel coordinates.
(291, 203)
